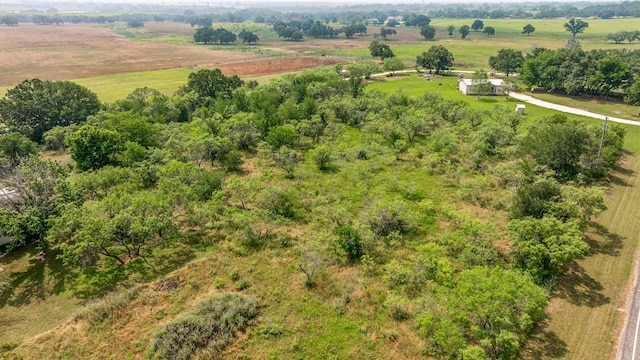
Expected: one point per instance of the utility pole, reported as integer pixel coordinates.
(604, 130)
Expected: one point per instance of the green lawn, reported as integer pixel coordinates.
(474, 51)
(415, 85)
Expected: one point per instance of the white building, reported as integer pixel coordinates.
(498, 86)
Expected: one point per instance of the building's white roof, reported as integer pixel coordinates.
(494, 82)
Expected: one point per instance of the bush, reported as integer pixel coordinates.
(207, 331)
(107, 308)
(350, 242)
(322, 157)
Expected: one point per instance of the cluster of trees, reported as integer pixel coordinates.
(296, 30)
(575, 71)
(207, 34)
(153, 169)
(621, 36)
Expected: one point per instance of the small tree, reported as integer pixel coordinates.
(481, 84)
(248, 37)
(16, 146)
(382, 51)
(450, 30)
(576, 26)
(464, 31)
(310, 262)
(490, 31)
(384, 33)
(528, 29)
(288, 160)
(428, 32)
(507, 61)
(393, 64)
(437, 57)
(322, 157)
(477, 25)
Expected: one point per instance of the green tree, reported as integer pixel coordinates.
(507, 61)
(493, 308)
(385, 33)
(382, 51)
(610, 73)
(618, 37)
(288, 160)
(464, 31)
(437, 58)
(576, 26)
(223, 36)
(632, 94)
(9, 20)
(120, 227)
(489, 30)
(428, 32)
(528, 29)
(248, 37)
(392, 64)
(322, 157)
(477, 25)
(93, 147)
(480, 83)
(135, 23)
(212, 83)
(204, 35)
(450, 30)
(560, 144)
(54, 139)
(535, 199)
(14, 147)
(284, 135)
(41, 184)
(35, 106)
(543, 247)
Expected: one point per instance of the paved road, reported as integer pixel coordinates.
(629, 344)
(569, 110)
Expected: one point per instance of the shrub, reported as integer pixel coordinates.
(207, 331)
(107, 307)
(350, 242)
(322, 157)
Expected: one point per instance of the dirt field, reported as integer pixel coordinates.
(77, 51)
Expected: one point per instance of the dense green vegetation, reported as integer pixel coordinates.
(357, 181)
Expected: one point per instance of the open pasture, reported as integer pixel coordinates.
(79, 51)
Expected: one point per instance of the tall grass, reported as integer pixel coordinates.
(207, 331)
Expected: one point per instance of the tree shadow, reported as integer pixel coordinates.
(41, 279)
(545, 344)
(578, 288)
(608, 244)
(619, 171)
(100, 281)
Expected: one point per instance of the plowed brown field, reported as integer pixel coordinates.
(72, 51)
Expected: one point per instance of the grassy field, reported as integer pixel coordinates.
(415, 85)
(584, 318)
(474, 51)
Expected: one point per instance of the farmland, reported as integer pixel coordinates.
(346, 314)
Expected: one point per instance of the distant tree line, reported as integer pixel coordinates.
(296, 30)
(579, 72)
